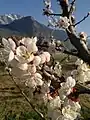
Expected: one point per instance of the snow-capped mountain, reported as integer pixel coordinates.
(8, 18)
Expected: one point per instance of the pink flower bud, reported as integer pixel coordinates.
(36, 60)
(43, 58)
(47, 55)
(32, 69)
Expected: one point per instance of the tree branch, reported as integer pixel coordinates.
(55, 14)
(82, 19)
(67, 52)
(64, 6)
(81, 47)
(81, 89)
(27, 99)
(71, 8)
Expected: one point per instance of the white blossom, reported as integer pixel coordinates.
(55, 103)
(36, 60)
(79, 62)
(11, 56)
(9, 48)
(83, 36)
(22, 66)
(43, 58)
(38, 79)
(23, 55)
(43, 96)
(66, 87)
(35, 80)
(63, 22)
(8, 44)
(47, 3)
(83, 72)
(70, 82)
(71, 110)
(47, 56)
(31, 68)
(58, 69)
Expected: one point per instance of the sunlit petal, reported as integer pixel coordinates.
(22, 66)
(11, 56)
(36, 60)
(12, 44)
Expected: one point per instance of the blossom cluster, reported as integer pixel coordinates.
(62, 22)
(83, 36)
(23, 58)
(63, 107)
(47, 10)
(82, 73)
(26, 62)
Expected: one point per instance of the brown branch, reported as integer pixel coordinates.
(66, 39)
(55, 14)
(64, 6)
(67, 52)
(27, 99)
(71, 8)
(81, 47)
(81, 89)
(82, 19)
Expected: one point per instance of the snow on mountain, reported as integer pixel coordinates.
(8, 18)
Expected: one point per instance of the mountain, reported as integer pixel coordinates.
(28, 26)
(8, 18)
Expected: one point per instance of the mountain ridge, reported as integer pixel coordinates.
(8, 18)
(28, 26)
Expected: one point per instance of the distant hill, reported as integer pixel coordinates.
(28, 26)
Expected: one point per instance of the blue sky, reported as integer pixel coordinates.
(34, 8)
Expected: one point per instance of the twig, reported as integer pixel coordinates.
(67, 52)
(82, 89)
(27, 99)
(66, 39)
(64, 6)
(55, 14)
(72, 4)
(82, 19)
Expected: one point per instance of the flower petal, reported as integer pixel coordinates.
(31, 83)
(36, 60)
(4, 41)
(32, 47)
(23, 66)
(34, 40)
(70, 82)
(26, 41)
(11, 56)
(32, 69)
(47, 55)
(21, 50)
(6, 45)
(12, 44)
(43, 58)
(38, 79)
